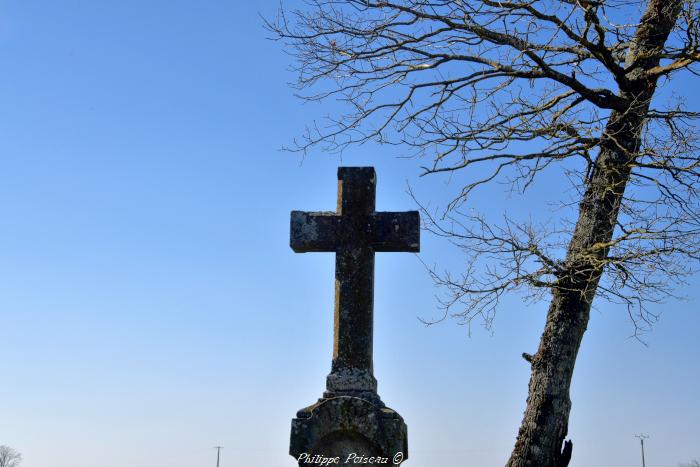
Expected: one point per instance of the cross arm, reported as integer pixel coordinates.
(313, 231)
(396, 231)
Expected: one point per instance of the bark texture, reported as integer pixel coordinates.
(545, 422)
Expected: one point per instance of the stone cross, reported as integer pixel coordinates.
(354, 232)
(350, 422)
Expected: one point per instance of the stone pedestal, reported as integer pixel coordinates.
(348, 428)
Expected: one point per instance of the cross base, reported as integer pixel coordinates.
(347, 426)
(351, 379)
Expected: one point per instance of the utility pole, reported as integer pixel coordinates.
(642, 437)
(218, 454)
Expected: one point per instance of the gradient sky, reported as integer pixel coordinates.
(150, 306)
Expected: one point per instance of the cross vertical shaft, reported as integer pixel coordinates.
(353, 317)
(354, 308)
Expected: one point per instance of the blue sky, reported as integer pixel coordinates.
(150, 306)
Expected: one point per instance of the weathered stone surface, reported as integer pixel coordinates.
(345, 426)
(351, 417)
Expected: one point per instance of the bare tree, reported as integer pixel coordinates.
(9, 457)
(693, 463)
(506, 90)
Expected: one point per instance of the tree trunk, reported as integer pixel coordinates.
(546, 418)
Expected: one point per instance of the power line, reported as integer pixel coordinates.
(641, 437)
(218, 454)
